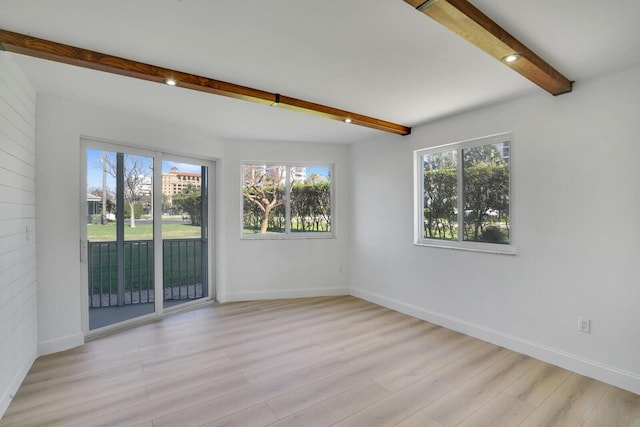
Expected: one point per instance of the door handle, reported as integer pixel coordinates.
(83, 250)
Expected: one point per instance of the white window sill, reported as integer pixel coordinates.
(292, 236)
(469, 246)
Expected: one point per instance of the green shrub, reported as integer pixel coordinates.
(137, 211)
(493, 234)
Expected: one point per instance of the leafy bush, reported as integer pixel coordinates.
(486, 187)
(190, 202)
(493, 234)
(311, 206)
(440, 201)
(137, 211)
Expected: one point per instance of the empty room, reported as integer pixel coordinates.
(351, 213)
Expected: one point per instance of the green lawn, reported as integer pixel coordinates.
(105, 233)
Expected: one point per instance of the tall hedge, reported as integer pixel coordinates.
(311, 207)
(486, 188)
(440, 201)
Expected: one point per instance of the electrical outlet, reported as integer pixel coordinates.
(584, 324)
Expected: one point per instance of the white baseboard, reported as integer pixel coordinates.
(8, 394)
(60, 344)
(620, 378)
(282, 294)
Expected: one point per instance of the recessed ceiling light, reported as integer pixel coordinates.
(511, 58)
(171, 82)
(347, 120)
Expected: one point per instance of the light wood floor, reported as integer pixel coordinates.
(307, 362)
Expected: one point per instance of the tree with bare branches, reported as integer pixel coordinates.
(263, 186)
(135, 173)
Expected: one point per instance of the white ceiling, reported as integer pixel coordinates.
(379, 58)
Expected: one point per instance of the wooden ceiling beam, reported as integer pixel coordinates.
(49, 50)
(469, 22)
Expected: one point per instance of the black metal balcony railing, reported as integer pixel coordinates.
(182, 272)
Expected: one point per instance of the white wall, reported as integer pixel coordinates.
(18, 333)
(246, 269)
(576, 163)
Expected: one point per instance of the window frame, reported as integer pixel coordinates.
(460, 244)
(288, 234)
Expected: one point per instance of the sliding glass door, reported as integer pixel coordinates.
(184, 231)
(146, 223)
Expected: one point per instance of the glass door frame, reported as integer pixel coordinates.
(206, 224)
(158, 157)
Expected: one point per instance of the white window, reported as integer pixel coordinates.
(464, 195)
(284, 200)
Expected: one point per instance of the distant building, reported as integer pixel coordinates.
(145, 188)
(504, 149)
(297, 174)
(175, 182)
(94, 206)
